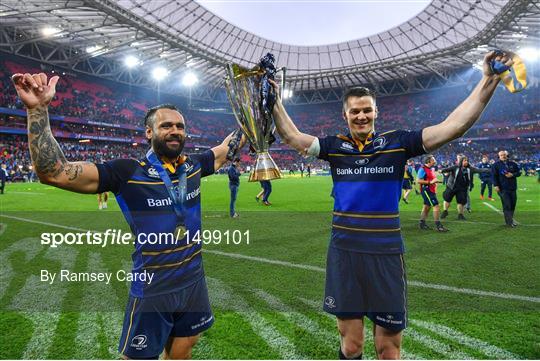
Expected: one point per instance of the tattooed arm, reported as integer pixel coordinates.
(48, 159)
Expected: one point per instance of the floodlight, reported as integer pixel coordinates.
(189, 79)
(159, 73)
(131, 61)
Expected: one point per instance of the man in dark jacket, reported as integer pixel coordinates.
(485, 178)
(458, 184)
(234, 184)
(504, 173)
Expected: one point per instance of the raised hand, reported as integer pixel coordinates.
(504, 57)
(34, 90)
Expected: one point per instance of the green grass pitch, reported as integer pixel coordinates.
(474, 292)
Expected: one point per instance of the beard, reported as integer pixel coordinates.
(162, 149)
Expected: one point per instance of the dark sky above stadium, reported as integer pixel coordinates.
(312, 22)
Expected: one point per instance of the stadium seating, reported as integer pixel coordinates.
(111, 116)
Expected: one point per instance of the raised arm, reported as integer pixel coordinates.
(220, 151)
(48, 159)
(480, 170)
(286, 128)
(448, 169)
(468, 112)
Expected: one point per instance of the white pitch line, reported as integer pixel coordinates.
(437, 345)
(470, 291)
(28, 247)
(496, 209)
(98, 295)
(321, 269)
(222, 295)
(266, 260)
(492, 207)
(329, 339)
(487, 349)
(36, 300)
(43, 223)
(479, 222)
(369, 353)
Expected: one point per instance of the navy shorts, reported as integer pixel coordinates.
(407, 184)
(460, 194)
(150, 321)
(371, 285)
(430, 198)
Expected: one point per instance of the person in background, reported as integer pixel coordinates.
(428, 186)
(458, 184)
(408, 179)
(102, 200)
(504, 174)
(486, 179)
(266, 186)
(234, 184)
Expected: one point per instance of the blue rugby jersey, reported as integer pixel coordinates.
(148, 208)
(367, 188)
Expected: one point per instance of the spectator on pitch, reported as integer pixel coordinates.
(408, 179)
(458, 184)
(486, 178)
(159, 194)
(102, 200)
(365, 274)
(3, 178)
(504, 174)
(427, 179)
(234, 184)
(265, 192)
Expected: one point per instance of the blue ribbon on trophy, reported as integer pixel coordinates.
(509, 78)
(177, 193)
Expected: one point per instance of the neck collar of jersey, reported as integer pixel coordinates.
(359, 144)
(171, 166)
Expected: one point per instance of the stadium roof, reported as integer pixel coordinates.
(94, 36)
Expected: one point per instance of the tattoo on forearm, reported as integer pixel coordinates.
(46, 154)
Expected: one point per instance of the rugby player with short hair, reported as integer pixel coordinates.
(428, 187)
(169, 313)
(365, 273)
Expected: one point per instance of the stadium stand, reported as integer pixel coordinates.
(108, 118)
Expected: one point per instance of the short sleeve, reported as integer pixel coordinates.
(325, 146)
(113, 174)
(421, 173)
(412, 142)
(206, 159)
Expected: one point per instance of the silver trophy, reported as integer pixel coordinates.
(252, 99)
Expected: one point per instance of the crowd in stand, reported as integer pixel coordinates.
(516, 125)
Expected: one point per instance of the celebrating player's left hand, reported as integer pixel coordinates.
(34, 90)
(505, 57)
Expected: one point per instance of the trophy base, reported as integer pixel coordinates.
(265, 168)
